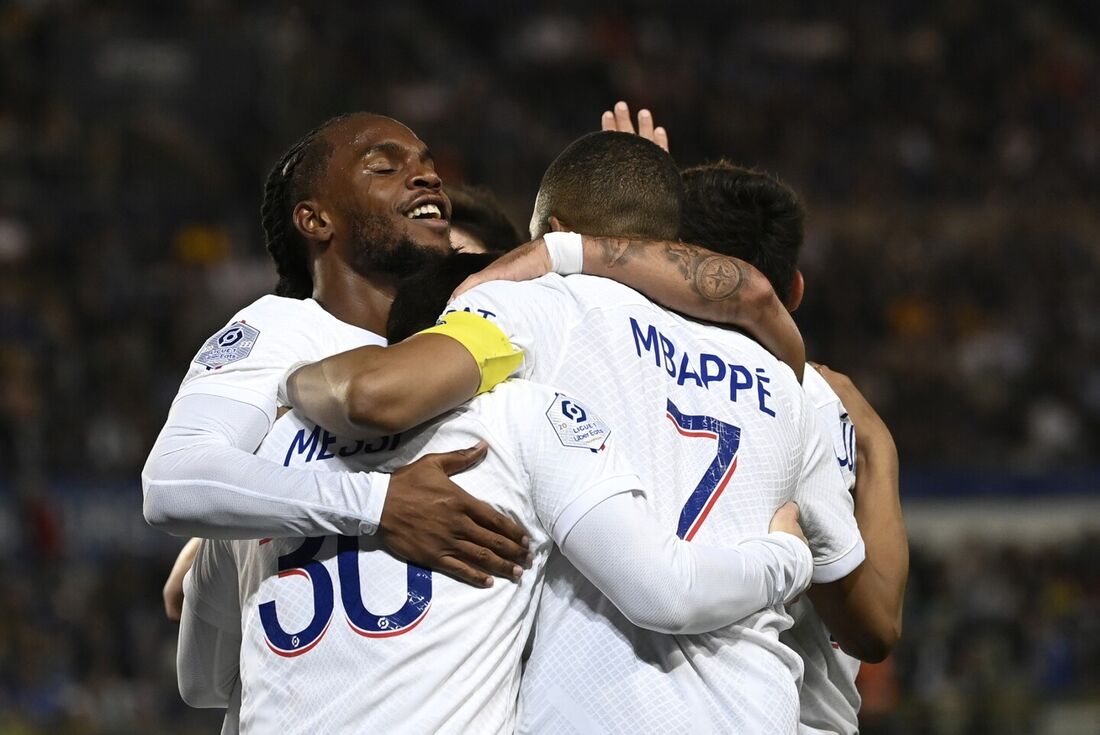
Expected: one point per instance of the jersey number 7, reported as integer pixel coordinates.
(718, 474)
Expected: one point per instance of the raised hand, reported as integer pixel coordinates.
(619, 120)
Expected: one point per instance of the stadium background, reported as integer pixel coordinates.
(949, 156)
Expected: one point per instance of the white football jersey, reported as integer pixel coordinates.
(337, 634)
(722, 434)
(829, 698)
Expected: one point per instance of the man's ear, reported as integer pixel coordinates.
(312, 222)
(798, 290)
(556, 225)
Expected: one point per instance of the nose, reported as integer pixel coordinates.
(424, 177)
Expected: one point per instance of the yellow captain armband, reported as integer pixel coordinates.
(495, 356)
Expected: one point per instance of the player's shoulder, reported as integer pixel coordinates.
(521, 407)
(279, 310)
(818, 390)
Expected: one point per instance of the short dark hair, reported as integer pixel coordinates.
(745, 213)
(475, 210)
(613, 185)
(422, 297)
(292, 179)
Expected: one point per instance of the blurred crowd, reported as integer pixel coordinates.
(997, 640)
(948, 153)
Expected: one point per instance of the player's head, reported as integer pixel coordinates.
(613, 185)
(349, 190)
(747, 214)
(422, 297)
(478, 222)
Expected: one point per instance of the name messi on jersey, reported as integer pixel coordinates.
(321, 445)
(703, 369)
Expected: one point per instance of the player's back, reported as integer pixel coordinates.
(714, 426)
(340, 636)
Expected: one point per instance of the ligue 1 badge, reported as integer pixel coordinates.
(233, 343)
(575, 425)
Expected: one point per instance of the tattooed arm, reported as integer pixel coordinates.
(685, 278)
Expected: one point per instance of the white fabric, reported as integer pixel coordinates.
(566, 251)
(201, 479)
(636, 362)
(829, 699)
(443, 641)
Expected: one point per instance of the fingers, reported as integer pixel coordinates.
(513, 541)
(463, 572)
(461, 459)
(645, 124)
(660, 137)
(622, 118)
(486, 561)
(607, 120)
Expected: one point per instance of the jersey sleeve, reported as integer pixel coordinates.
(208, 655)
(210, 588)
(534, 315)
(564, 451)
(826, 507)
(246, 359)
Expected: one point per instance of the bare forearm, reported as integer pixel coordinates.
(374, 391)
(701, 284)
(878, 513)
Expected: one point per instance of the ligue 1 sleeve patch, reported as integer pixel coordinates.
(233, 343)
(575, 425)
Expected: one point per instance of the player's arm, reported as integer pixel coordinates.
(592, 504)
(377, 391)
(683, 277)
(173, 586)
(208, 653)
(864, 609)
(201, 479)
(663, 583)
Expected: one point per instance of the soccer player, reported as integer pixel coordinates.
(334, 634)
(752, 215)
(340, 245)
(692, 401)
(347, 209)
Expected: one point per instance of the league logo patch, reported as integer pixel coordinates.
(576, 426)
(233, 343)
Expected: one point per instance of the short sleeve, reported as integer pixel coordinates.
(826, 507)
(211, 587)
(534, 315)
(246, 359)
(833, 419)
(568, 453)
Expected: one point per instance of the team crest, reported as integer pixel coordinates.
(233, 343)
(575, 425)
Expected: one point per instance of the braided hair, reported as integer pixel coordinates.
(292, 179)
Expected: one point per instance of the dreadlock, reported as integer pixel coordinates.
(292, 179)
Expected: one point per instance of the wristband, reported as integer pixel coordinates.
(494, 354)
(566, 251)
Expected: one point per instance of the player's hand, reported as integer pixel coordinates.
(871, 430)
(522, 264)
(432, 522)
(618, 120)
(173, 587)
(786, 520)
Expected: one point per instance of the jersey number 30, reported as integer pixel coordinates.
(300, 562)
(718, 474)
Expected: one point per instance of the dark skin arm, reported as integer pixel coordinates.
(427, 519)
(864, 610)
(685, 278)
